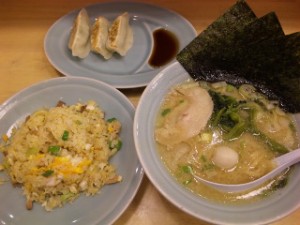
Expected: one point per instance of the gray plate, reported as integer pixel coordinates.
(121, 72)
(110, 203)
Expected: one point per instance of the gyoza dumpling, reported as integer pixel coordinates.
(99, 37)
(79, 41)
(120, 36)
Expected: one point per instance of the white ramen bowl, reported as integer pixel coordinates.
(271, 208)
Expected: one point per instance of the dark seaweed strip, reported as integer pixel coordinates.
(265, 58)
(249, 51)
(290, 76)
(246, 48)
(292, 48)
(257, 52)
(293, 44)
(237, 57)
(236, 18)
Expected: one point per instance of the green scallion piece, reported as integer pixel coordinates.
(78, 122)
(111, 120)
(187, 169)
(186, 182)
(48, 173)
(203, 158)
(54, 149)
(115, 144)
(119, 145)
(165, 111)
(65, 135)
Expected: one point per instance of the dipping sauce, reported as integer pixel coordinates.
(165, 47)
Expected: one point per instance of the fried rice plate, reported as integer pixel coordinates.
(61, 152)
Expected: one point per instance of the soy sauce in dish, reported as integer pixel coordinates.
(165, 47)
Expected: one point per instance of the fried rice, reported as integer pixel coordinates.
(61, 152)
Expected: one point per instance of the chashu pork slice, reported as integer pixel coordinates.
(187, 119)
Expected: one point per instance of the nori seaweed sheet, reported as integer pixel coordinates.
(240, 48)
(215, 35)
(289, 78)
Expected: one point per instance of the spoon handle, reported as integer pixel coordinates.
(288, 159)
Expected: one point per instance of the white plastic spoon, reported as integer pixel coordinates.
(282, 163)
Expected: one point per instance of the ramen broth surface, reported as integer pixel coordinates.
(196, 154)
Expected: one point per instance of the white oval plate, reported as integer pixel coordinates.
(131, 70)
(112, 200)
(273, 207)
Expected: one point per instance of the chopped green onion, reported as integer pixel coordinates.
(186, 182)
(187, 169)
(165, 111)
(119, 145)
(48, 173)
(67, 196)
(31, 151)
(54, 149)
(203, 158)
(230, 88)
(65, 135)
(115, 144)
(206, 137)
(78, 122)
(111, 120)
(208, 166)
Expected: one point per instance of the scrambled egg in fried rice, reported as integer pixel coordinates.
(60, 152)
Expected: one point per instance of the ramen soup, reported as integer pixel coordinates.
(224, 134)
